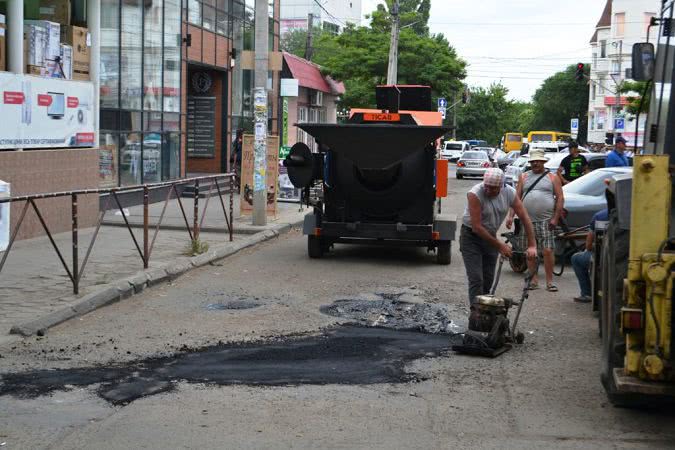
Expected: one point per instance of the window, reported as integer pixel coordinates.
(603, 49)
(110, 54)
(601, 86)
(619, 24)
(131, 54)
(152, 55)
(591, 120)
(648, 19)
(593, 92)
(213, 15)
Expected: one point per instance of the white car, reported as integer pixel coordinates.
(514, 171)
(453, 150)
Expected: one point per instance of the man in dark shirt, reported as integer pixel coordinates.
(573, 166)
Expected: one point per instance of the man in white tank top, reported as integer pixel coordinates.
(542, 195)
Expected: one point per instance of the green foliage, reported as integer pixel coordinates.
(359, 56)
(559, 99)
(415, 12)
(631, 87)
(196, 247)
(489, 114)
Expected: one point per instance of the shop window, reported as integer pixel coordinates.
(171, 156)
(152, 55)
(110, 54)
(107, 165)
(172, 42)
(152, 157)
(195, 12)
(132, 54)
(130, 159)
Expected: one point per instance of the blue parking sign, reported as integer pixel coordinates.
(619, 124)
(442, 103)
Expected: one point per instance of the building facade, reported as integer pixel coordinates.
(329, 15)
(622, 23)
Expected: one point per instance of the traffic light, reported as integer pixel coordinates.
(609, 138)
(579, 74)
(465, 96)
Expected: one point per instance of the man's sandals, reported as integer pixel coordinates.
(551, 287)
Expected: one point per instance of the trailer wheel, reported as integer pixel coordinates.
(614, 270)
(314, 246)
(443, 253)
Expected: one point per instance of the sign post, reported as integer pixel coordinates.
(442, 106)
(574, 127)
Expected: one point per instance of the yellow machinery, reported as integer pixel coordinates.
(638, 250)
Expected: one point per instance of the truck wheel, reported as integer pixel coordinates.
(314, 246)
(518, 262)
(443, 253)
(613, 273)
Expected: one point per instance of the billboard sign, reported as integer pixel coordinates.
(45, 112)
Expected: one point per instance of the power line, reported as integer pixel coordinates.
(329, 14)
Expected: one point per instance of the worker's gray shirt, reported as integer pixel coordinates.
(493, 210)
(540, 202)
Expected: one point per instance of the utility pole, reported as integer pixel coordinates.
(260, 113)
(309, 45)
(392, 70)
(454, 116)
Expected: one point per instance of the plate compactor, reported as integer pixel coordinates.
(378, 176)
(490, 333)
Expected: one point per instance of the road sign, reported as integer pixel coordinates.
(574, 125)
(442, 111)
(619, 123)
(442, 103)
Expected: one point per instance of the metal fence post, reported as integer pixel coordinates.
(146, 253)
(232, 180)
(76, 272)
(195, 225)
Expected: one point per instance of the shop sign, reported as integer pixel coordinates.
(201, 127)
(45, 112)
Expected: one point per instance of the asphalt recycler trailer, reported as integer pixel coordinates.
(381, 180)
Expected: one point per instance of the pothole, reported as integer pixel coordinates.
(232, 305)
(388, 310)
(342, 355)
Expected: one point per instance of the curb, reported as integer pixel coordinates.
(129, 286)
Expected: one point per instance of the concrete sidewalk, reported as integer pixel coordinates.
(36, 293)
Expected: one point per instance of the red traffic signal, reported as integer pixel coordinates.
(579, 74)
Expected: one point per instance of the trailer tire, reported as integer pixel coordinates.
(614, 270)
(314, 246)
(443, 253)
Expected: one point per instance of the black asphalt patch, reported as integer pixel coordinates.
(232, 304)
(387, 310)
(344, 355)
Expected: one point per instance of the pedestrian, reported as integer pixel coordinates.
(581, 261)
(235, 156)
(616, 157)
(573, 166)
(542, 195)
(487, 205)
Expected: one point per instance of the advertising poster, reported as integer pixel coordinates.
(271, 174)
(45, 112)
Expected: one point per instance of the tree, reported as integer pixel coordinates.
(631, 87)
(559, 99)
(411, 12)
(489, 114)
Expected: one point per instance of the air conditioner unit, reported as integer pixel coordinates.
(316, 98)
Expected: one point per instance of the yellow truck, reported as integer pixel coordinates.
(635, 270)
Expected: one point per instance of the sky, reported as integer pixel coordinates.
(519, 43)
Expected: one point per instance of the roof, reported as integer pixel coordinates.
(308, 74)
(604, 22)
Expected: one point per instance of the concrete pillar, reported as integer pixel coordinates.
(15, 36)
(94, 25)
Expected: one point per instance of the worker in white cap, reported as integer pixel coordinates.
(487, 207)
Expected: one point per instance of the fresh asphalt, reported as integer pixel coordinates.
(268, 349)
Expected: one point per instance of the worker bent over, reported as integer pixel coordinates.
(488, 204)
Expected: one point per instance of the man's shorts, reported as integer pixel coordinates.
(545, 237)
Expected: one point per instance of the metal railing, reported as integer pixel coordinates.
(76, 272)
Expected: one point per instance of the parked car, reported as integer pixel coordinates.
(473, 163)
(453, 150)
(513, 172)
(508, 159)
(489, 150)
(477, 143)
(586, 195)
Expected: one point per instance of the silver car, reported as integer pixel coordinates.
(586, 195)
(473, 164)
